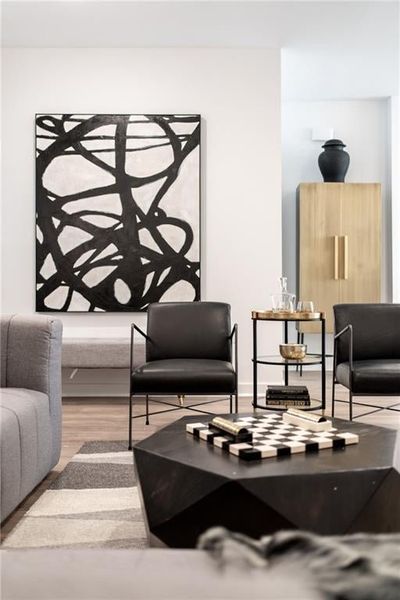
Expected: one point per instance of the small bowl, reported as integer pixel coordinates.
(293, 351)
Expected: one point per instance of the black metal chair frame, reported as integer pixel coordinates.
(233, 336)
(349, 329)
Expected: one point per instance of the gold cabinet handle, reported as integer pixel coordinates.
(336, 257)
(345, 257)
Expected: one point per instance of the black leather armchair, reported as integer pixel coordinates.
(189, 350)
(366, 358)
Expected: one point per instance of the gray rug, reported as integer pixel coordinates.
(93, 503)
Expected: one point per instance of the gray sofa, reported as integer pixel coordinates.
(30, 404)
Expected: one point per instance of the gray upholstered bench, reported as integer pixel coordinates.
(99, 353)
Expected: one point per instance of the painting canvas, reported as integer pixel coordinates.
(117, 211)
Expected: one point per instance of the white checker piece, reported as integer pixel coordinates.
(322, 442)
(235, 448)
(267, 451)
(295, 447)
(192, 426)
(349, 438)
(218, 441)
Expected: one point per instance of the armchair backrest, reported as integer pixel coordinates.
(188, 330)
(376, 331)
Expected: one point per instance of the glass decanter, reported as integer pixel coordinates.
(285, 301)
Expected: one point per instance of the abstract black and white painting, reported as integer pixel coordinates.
(117, 211)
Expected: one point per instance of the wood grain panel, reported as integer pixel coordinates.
(339, 245)
(361, 227)
(319, 223)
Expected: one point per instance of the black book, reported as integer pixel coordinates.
(288, 398)
(293, 403)
(287, 389)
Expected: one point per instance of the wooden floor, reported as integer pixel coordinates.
(86, 419)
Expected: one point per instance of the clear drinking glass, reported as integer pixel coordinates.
(305, 306)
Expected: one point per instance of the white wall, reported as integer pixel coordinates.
(338, 69)
(237, 91)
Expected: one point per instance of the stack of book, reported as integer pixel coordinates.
(287, 395)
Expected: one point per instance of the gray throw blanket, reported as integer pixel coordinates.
(351, 567)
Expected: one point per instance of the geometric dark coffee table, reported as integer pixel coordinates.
(188, 486)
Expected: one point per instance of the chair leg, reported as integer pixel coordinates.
(350, 405)
(236, 401)
(230, 404)
(147, 409)
(130, 423)
(301, 342)
(333, 396)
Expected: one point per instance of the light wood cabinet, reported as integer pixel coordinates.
(339, 245)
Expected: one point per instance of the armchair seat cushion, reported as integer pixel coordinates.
(381, 376)
(184, 376)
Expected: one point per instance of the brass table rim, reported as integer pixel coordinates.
(269, 315)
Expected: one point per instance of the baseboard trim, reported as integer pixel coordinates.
(104, 390)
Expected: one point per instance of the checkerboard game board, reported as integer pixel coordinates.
(272, 437)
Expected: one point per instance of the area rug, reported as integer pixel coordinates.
(93, 503)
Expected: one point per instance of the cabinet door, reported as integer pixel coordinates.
(318, 248)
(360, 244)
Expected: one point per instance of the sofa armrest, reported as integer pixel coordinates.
(34, 362)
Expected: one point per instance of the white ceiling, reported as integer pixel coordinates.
(330, 49)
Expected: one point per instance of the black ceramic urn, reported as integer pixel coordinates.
(334, 161)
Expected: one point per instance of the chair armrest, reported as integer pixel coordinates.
(143, 334)
(136, 328)
(348, 328)
(234, 335)
(234, 331)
